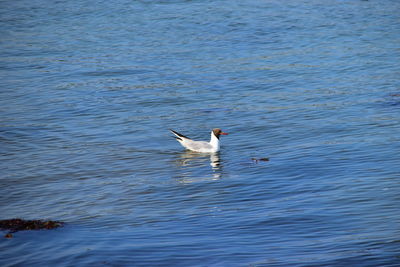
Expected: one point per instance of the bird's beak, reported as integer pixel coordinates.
(223, 133)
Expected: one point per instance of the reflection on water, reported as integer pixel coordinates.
(191, 162)
(215, 161)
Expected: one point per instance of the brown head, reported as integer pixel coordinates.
(217, 132)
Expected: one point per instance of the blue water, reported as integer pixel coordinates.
(89, 90)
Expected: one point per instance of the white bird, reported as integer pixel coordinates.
(200, 146)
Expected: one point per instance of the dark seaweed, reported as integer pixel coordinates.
(15, 225)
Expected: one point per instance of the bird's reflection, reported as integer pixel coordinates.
(215, 161)
(193, 161)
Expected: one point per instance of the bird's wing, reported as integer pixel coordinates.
(200, 146)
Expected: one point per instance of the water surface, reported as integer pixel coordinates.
(89, 90)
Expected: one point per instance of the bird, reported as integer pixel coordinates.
(200, 146)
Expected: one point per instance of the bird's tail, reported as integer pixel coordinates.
(178, 136)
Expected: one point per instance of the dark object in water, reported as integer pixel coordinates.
(8, 235)
(15, 225)
(259, 159)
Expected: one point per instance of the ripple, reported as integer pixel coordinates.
(89, 93)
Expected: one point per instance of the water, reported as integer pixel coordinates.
(89, 90)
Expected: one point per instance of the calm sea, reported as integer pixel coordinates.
(89, 89)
